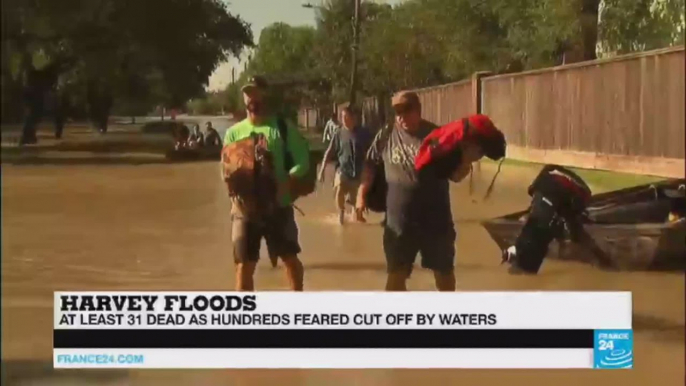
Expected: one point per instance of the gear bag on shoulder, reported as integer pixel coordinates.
(305, 185)
(247, 170)
(375, 197)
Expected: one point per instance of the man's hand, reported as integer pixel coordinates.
(461, 172)
(283, 188)
(471, 152)
(320, 176)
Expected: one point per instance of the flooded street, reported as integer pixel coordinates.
(166, 227)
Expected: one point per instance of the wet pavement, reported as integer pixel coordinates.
(162, 226)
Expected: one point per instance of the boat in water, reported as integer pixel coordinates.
(637, 228)
(204, 153)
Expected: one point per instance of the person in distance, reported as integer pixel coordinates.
(350, 144)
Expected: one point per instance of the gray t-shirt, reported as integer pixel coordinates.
(410, 203)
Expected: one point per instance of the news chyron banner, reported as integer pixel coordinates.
(533, 330)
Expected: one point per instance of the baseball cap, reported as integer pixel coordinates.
(406, 98)
(255, 82)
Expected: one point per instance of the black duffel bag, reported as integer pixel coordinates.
(375, 196)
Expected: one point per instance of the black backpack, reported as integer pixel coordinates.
(375, 197)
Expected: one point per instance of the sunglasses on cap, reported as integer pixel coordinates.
(404, 108)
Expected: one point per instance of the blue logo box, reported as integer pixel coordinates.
(613, 349)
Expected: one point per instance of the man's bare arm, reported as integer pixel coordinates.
(366, 180)
(325, 159)
(461, 172)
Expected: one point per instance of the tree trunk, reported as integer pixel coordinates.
(99, 106)
(589, 28)
(583, 46)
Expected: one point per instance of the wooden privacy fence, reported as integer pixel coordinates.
(452, 101)
(623, 114)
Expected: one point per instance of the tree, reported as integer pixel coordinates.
(400, 50)
(637, 25)
(285, 56)
(284, 51)
(115, 46)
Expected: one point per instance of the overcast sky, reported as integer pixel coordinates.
(261, 13)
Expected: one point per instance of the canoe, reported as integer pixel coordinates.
(631, 226)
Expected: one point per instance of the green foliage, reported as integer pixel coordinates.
(420, 43)
(284, 51)
(142, 52)
(210, 104)
(400, 50)
(637, 25)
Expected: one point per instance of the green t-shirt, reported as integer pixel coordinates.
(297, 145)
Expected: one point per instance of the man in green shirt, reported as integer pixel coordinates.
(279, 230)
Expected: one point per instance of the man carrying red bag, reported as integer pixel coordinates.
(415, 160)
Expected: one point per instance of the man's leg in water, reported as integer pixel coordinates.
(351, 188)
(438, 255)
(294, 271)
(401, 251)
(245, 237)
(339, 193)
(282, 239)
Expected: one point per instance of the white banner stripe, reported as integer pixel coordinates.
(320, 359)
(511, 310)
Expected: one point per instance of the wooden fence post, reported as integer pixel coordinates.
(477, 99)
(477, 94)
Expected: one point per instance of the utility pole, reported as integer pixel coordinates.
(355, 47)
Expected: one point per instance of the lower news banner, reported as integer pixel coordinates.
(343, 330)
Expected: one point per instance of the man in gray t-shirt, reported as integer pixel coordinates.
(418, 215)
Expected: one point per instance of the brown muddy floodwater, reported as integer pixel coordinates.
(166, 227)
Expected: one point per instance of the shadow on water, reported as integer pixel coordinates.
(67, 161)
(110, 144)
(380, 266)
(662, 329)
(670, 266)
(36, 372)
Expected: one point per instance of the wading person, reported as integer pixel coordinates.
(212, 138)
(197, 138)
(290, 156)
(348, 147)
(331, 127)
(418, 214)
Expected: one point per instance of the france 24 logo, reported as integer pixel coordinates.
(613, 349)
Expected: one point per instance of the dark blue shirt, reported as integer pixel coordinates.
(411, 202)
(350, 147)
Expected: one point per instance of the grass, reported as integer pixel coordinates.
(600, 180)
